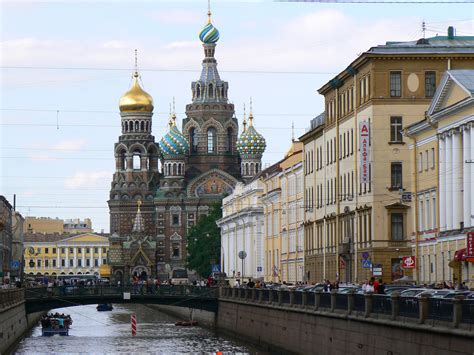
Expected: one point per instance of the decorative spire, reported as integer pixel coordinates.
(209, 34)
(173, 114)
(292, 131)
(245, 121)
(250, 114)
(208, 11)
(138, 224)
(136, 61)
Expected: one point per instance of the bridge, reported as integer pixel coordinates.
(43, 299)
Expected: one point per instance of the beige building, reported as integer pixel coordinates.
(48, 225)
(361, 225)
(283, 218)
(442, 147)
(62, 254)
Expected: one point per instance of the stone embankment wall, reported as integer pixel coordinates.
(204, 318)
(14, 322)
(299, 331)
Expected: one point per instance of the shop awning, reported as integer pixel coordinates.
(460, 255)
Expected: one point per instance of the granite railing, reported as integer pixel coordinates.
(11, 296)
(457, 312)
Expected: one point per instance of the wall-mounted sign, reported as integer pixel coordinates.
(408, 262)
(376, 269)
(470, 244)
(364, 158)
(366, 264)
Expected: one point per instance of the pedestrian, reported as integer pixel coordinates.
(380, 287)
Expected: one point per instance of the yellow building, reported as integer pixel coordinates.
(60, 255)
(442, 148)
(362, 225)
(55, 225)
(283, 217)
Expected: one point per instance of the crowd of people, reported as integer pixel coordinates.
(56, 321)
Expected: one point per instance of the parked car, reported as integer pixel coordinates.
(415, 292)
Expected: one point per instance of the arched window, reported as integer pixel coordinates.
(122, 160)
(136, 126)
(174, 169)
(198, 91)
(131, 126)
(211, 140)
(193, 140)
(179, 169)
(211, 91)
(229, 140)
(142, 126)
(136, 160)
(222, 92)
(147, 126)
(246, 169)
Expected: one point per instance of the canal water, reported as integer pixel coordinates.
(95, 332)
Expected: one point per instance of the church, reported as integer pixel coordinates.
(160, 189)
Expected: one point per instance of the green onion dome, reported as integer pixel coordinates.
(209, 34)
(251, 142)
(174, 142)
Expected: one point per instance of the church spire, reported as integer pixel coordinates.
(139, 223)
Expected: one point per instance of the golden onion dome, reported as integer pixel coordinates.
(136, 99)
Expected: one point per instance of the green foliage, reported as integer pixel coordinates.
(204, 242)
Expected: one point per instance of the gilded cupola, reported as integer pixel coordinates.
(136, 99)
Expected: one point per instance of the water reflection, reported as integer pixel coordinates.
(110, 332)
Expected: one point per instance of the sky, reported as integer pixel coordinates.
(65, 65)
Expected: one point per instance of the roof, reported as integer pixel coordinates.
(464, 77)
(439, 45)
(54, 237)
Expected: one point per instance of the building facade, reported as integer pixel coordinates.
(199, 164)
(64, 255)
(442, 147)
(364, 223)
(56, 225)
(6, 236)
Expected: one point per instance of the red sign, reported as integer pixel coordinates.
(342, 263)
(364, 159)
(408, 262)
(470, 244)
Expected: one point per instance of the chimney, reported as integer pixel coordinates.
(450, 32)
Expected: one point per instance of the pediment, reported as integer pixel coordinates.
(449, 93)
(86, 237)
(212, 183)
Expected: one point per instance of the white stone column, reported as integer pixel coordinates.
(91, 257)
(449, 181)
(58, 258)
(66, 262)
(467, 177)
(457, 179)
(83, 257)
(471, 165)
(100, 256)
(442, 183)
(75, 257)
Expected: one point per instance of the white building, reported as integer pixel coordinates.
(242, 231)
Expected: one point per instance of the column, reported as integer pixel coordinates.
(467, 177)
(442, 182)
(58, 258)
(83, 257)
(457, 172)
(100, 255)
(471, 165)
(75, 257)
(449, 181)
(92, 257)
(66, 262)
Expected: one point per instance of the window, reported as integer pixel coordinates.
(193, 140)
(71, 250)
(79, 250)
(46, 263)
(433, 158)
(397, 226)
(88, 250)
(63, 262)
(104, 261)
(71, 262)
(96, 262)
(395, 84)
(96, 250)
(54, 262)
(175, 220)
(420, 162)
(396, 176)
(38, 263)
(104, 250)
(229, 140)
(38, 250)
(79, 262)
(211, 140)
(88, 262)
(396, 129)
(46, 250)
(430, 83)
(427, 160)
(63, 250)
(176, 250)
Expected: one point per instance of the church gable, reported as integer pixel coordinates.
(214, 182)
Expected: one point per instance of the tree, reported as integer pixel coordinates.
(204, 243)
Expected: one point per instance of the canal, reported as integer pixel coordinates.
(110, 332)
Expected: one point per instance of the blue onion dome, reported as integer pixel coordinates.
(209, 34)
(174, 142)
(250, 141)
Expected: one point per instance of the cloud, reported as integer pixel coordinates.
(87, 179)
(70, 145)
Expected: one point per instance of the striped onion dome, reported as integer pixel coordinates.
(174, 142)
(251, 142)
(209, 34)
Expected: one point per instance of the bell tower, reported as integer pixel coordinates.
(136, 162)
